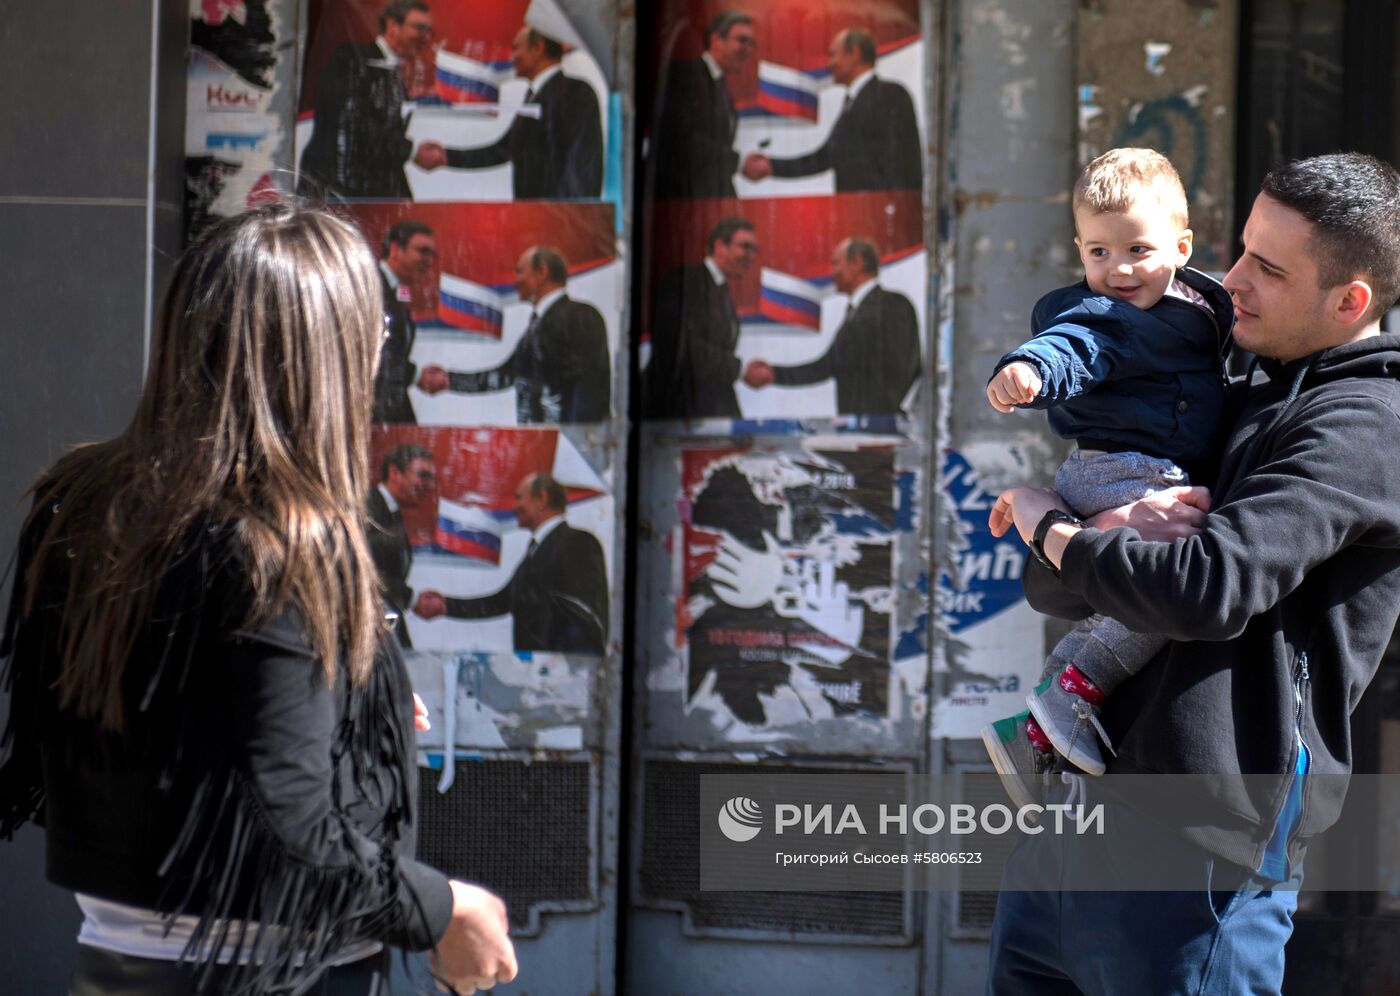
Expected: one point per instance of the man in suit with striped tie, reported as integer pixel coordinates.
(874, 144)
(407, 478)
(558, 596)
(875, 356)
(560, 369)
(695, 330)
(556, 152)
(693, 139)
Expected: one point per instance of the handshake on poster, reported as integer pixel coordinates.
(757, 166)
(434, 379)
(430, 155)
(759, 373)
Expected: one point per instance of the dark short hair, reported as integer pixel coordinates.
(401, 233)
(397, 10)
(553, 262)
(544, 485)
(552, 49)
(725, 231)
(723, 22)
(863, 250)
(855, 38)
(401, 456)
(1353, 203)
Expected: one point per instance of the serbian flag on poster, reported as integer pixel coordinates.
(784, 92)
(461, 80)
(467, 531)
(470, 306)
(788, 300)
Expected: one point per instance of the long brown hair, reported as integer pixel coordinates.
(255, 413)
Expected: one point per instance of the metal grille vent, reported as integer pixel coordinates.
(978, 884)
(669, 871)
(522, 830)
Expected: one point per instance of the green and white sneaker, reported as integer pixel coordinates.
(1021, 764)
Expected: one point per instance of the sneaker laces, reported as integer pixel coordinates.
(1078, 788)
(1086, 714)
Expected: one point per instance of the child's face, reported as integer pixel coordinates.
(1131, 255)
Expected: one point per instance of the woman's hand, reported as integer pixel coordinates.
(476, 952)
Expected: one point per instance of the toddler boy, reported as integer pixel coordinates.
(1129, 363)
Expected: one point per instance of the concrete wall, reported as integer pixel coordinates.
(90, 207)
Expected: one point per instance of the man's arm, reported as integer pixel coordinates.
(482, 381)
(496, 154)
(482, 606)
(808, 165)
(1320, 490)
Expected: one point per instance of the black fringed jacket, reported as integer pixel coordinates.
(241, 788)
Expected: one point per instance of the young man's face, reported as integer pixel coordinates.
(1280, 311)
(412, 261)
(409, 37)
(731, 51)
(1131, 255)
(412, 485)
(736, 256)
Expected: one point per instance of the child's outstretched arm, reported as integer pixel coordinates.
(1014, 384)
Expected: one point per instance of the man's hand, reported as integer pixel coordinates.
(421, 723)
(476, 952)
(430, 155)
(1014, 384)
(1023, 508)
(433, 379)
(757, 166)
(430, 604)
(1162, 516)
(758, 373)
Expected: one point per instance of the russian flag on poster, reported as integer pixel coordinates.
(470, 306)
(467, 531)
(785, 92)
(788, 300)
(463, 80)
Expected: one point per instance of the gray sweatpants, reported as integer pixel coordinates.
(1103, 649)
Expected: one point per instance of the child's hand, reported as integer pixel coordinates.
(1015, 384)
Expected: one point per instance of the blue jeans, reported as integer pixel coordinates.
(1204, 940)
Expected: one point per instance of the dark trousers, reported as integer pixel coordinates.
(1223, 934)
(98, 972)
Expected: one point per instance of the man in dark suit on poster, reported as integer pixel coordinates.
(406, 478)
(693, 141)
(359, 138)
(561, 369)
(407, 255)
(557, 156)
(874, 144)
(695, 330)
(558, 596)
(875, 355)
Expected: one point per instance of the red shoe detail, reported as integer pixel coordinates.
(1037, 737)
(1073, 681)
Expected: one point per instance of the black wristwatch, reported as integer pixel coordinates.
(1042, 529)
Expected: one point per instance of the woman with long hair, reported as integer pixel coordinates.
(206, 707)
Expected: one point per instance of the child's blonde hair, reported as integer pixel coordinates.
(1113, 182)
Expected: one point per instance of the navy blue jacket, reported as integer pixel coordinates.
(1151, 380)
